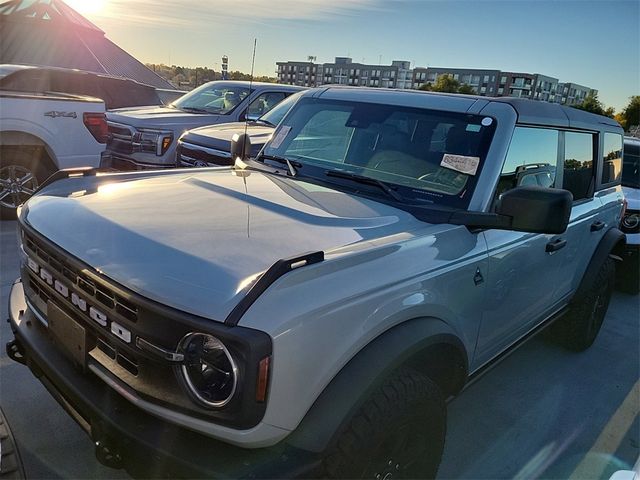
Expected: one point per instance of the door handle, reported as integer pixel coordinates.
(595, 226)
(555, 245)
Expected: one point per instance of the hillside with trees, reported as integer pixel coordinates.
(190, 77)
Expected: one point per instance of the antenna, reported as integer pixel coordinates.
(246, 121)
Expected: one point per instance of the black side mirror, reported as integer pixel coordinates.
(240, 146)
(536, 209)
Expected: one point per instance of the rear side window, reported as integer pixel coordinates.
(578, 164)
(631, 167)
(531, 160)
(612, 158)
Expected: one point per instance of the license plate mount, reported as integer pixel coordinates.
(68, 333)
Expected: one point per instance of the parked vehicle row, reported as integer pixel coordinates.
(307, 310)
(146, 137)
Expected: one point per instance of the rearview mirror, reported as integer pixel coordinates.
(240, 146)
(536, 209)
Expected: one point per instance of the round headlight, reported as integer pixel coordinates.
(208, 369)
(631, 221)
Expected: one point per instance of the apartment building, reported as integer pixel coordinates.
(483, 82)
(344, 71)
(303, 74)
(572, 93)
(399, 74)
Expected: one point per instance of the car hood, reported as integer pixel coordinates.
(212, 135)
(198, 241)
(162, 117)
(219, 136)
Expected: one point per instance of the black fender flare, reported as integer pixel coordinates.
(612, 240)
(357, 379)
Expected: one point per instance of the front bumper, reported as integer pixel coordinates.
(128, 437)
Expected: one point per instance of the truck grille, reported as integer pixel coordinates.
(120, 138)
(102, 294)
(190, 155)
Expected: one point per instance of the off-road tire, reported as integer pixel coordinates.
(398, 432)
(578, 329)
(33, 159)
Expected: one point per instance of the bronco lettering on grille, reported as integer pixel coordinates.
(80, 303)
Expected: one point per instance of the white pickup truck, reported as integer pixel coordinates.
(44, 132)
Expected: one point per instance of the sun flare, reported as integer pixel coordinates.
(88, 7)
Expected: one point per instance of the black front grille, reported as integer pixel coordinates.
(102, 294)
(189, 156)
(120, 138)
(141, 372)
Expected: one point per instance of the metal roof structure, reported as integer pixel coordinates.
(50, 33)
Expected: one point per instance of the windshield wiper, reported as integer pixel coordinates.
(292, 165)
(366, 181)
(264, 122)
(194, 110)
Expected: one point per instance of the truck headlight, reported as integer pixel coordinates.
(153, 141)
(208, 370)
(631, 221)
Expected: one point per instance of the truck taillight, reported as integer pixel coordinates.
(96, 123)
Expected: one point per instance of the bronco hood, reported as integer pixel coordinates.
(198, 241)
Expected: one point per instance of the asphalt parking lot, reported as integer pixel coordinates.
(542, 413)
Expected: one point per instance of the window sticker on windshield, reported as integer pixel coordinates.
(460, 163)
(280, 136)
(486, 121)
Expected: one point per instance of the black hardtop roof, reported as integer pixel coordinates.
(529, 111)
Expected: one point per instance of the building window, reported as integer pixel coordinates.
(503, 80)
(486, 79)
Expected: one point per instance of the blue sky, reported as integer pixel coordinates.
(594, 43)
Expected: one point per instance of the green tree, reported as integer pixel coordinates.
(464, 88)
(444, 83)
(630, 115)
(592, 104)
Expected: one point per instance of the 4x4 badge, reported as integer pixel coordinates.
(478, 278)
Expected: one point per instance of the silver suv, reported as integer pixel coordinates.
(146, 137)
(316, 305)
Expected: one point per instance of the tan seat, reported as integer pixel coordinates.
(399, 163)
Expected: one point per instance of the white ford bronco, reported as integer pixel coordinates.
(309, 311)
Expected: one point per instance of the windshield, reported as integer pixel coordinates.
(427, 155)
(631, 167)
(212, 98)
(277, 113)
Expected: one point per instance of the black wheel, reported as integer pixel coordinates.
(21, 172)
(578, 329)
(397, 433)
